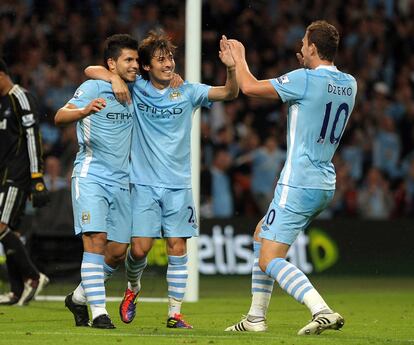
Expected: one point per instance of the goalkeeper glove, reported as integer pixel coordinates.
(39, 193)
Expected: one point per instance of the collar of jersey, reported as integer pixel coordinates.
(328, 67)
(158, 91)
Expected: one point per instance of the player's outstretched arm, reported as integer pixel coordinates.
(70, 113)
(249, 85)
(119, 87)
(231, 89)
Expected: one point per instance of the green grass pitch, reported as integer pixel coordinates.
(376, 311)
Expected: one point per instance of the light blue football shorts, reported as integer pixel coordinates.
(291, 211)
(159, 212)
(99, 207)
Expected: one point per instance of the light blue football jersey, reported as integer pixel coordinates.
(104, 137)
(161, 143)
(320, 102)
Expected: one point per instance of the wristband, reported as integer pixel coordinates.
(37, 175)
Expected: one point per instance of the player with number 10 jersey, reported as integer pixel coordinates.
(320, 102)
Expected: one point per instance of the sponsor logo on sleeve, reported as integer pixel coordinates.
(284, 79)
(78, 93)
(28, 120)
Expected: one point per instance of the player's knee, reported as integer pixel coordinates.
(94, 242)
(138, 252)
(263, 262)
(177, 247)
(115, 258)
(115, 261)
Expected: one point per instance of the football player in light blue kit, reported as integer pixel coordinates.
(320, 99)
(100, 179)
(162, 201)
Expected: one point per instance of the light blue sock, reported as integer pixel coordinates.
(177, 275)
(92, 275)
(108, 271)
(290, 278)
(79, 296)
(262, 287)
(296, 284)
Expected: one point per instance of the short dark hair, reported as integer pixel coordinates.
(114, 45)
(3, 67)
(156, 40)
(325, 37)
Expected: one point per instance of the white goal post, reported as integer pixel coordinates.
(193, 74)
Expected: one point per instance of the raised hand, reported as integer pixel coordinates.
(225, 53)
(237, 50)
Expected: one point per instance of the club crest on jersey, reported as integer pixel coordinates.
(86, 217)
(175, 95)
(283, 79)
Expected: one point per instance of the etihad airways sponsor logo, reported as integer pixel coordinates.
(157, 112)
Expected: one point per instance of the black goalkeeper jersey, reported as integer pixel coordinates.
(20, 142)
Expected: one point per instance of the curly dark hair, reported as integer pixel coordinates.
(156, 40)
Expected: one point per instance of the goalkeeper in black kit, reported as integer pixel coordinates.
(21, 177)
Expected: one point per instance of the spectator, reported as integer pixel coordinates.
(266, 163)
(47, 45)
(387, 148)
(216, 194)
(53, 179)
(375, 200)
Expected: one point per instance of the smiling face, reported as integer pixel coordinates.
(126, 65)
(161, 68)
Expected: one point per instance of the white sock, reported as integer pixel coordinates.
(79, 295)
(174, 306)
(314, 301)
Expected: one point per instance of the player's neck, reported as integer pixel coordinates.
(160, 85)
(6, 86)
(320, 62)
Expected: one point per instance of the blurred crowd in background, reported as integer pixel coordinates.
(48, 43)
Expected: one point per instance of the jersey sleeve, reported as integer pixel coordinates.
(85, 93)
(199, 95)
(291, 86)
(29, 117)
